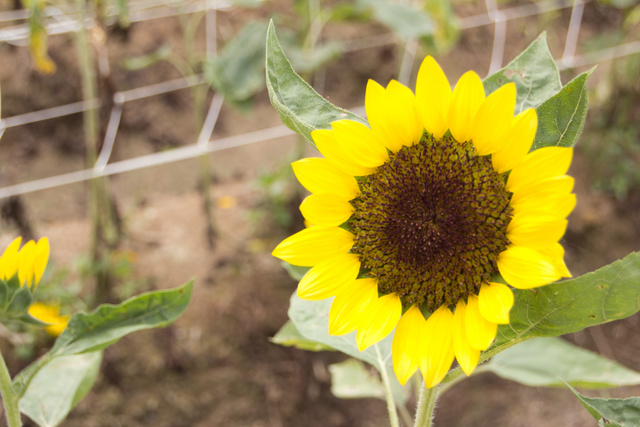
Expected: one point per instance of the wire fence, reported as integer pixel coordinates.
(60, 21)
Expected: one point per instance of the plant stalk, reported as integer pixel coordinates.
(391, 404)
(426, 406)
(8, 396)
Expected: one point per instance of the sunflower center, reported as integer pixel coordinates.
(431, 221)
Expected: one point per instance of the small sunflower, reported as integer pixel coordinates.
(419, 220)
(49, 314)
(28, 262)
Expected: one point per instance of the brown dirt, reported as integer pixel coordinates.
(216, 366)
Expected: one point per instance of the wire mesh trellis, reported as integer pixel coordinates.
(60, 21)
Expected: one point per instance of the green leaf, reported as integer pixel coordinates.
(607, 294)
(561, 117)
(108, 323)
(20, 302)
(300, 107)
(296, 272)
(549, 362)
(308, 60)
(405, 20)
(238, 70)
(352, 380)
(611, 412)
(146, 61)
(4, 294)
(289, 336)
(534, 73)
(311, 318)
(58, 386)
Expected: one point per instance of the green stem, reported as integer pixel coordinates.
(426, 405)
(8, 397)
(391, 404)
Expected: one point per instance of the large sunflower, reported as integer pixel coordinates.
(419, 220)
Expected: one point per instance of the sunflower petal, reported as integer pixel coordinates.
(408, 345)
(350, 304)
(480, 331)
(359, 143)
(433, 94)
(543, 163)
(495, 301)
(26, 257)
(327, 143)
(392, 114)
(326, 210)
(494, 120)
(526, 268)
(313, 245)
(518, 141)
(9, 259)
(328, 277)
(466, 355)
(378, 321)
(555, 253)
(318, 176)
(41, 258)
(439, 353)
(466, 99)
(535, 230)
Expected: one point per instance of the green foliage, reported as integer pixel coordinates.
(351, 379)
(144, 61)
(553, 362)
(611, 412)
(404, 19)
(58, 387)
(107, 324)
(276, 205)
(289, 336)
(300, 107)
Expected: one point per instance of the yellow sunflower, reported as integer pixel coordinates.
(49, 314)
(415, 218)
(29, 262)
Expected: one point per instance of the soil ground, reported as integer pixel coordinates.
(216, 365)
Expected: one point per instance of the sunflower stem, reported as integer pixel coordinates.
(8, 396)
(426, 406)
(391, 403)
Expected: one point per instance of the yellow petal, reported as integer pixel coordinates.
(494, 120)
(313, 245)
(379, 319)
(439, 352)
(495, 301)
(466, 99)
(392, 114)
(518, 141)
(41, 258)
(555, 254)
(535, 230)
(408, 346)
(328, 277)
(318, 176)
(558, 205)
(543, 190)
(543, 163)
(49, 314)
(433, 94)
(337, 155)
(359, 143)
(466, 355)
(480, 331)
(350, 304)
(9, 259)
(526, 268)
(26, 257)
(326, 210)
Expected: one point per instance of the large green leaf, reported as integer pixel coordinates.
(611, 412)
(108, 323)
(561, 117)
(58, 386)
(551, 362)
(300, 107)
(534, 73)
(609, 293)
(289, 336)
(351, 380)
(238, 70)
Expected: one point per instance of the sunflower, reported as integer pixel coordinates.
(425, 220)
(28, 262)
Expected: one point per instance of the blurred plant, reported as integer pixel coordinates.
(48, 389)
(612, 143)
